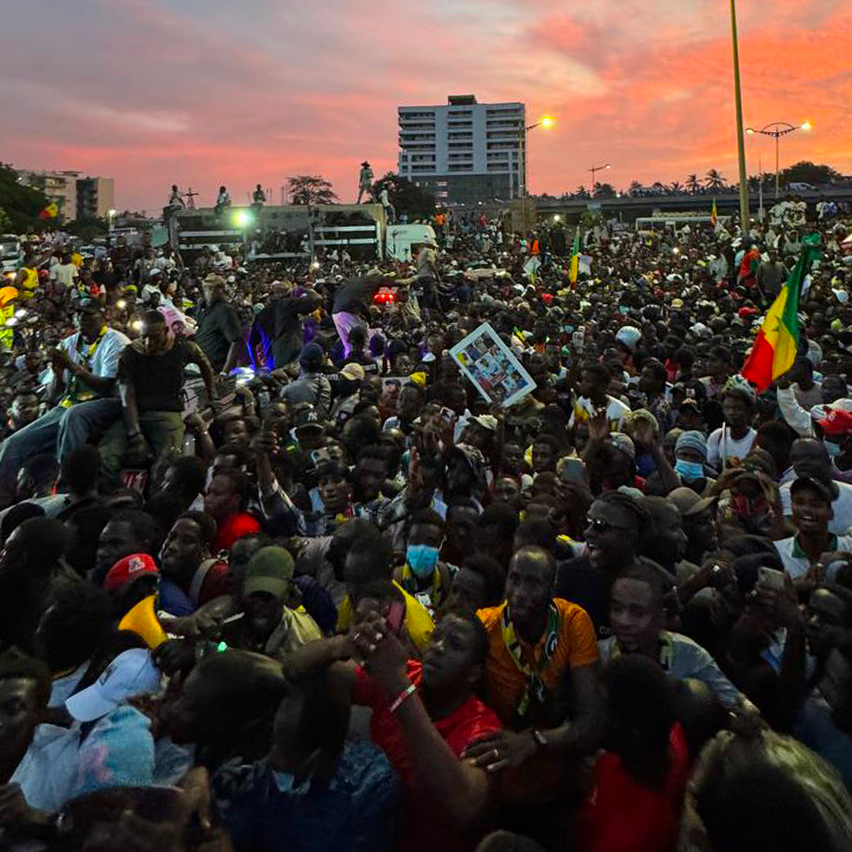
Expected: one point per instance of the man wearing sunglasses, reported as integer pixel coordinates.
(613, 527)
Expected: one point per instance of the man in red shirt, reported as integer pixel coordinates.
(424, 716)
(224, 501)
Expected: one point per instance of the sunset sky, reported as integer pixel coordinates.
(203, 92)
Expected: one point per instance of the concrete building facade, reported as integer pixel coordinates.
(464, 152)
(76, 195)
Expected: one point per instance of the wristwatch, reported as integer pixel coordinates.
(540, 738)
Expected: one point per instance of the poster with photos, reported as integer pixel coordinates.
(492, 367)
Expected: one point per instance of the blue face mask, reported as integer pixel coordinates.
(623, 309)
(833, 449)
(689, 470)
(421, 559)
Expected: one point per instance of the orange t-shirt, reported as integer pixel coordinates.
(505, 682)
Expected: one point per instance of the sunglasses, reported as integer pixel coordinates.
(599, 525)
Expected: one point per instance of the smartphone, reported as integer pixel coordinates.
(771, 579)
(447, 414)
(573, 470)
(578, 340)
(395, 616)
(320, 455)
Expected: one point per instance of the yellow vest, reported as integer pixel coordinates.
(418, 623)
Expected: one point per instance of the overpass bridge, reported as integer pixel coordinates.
(629, 208)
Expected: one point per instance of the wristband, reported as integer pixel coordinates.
(402, 698)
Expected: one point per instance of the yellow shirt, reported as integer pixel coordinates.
(77, 259)
(417, 622)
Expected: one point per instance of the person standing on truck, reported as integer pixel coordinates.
(258, 197)
(365, 182)
(390, 212)
(220, 332)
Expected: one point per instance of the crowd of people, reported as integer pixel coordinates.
(275, 575)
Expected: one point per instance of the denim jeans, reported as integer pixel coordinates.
(59, 431)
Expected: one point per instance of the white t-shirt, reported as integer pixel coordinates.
(720, 445)
(615, 411)
(842, 507)
(105, 360)
(796, 563)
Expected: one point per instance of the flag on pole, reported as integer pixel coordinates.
(713, 214)
(775, 346)
(49, 212)
(574, 269)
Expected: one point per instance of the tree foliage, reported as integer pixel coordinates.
(808, 172)
(87, 228)
(405, 196)
(605, 190)
(21, 204)
(310, 189)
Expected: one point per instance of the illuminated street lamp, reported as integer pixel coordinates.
(110, 218)
(547, 122)
(776, 130)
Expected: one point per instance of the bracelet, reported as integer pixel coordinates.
(402, 698)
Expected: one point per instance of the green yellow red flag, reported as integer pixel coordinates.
(774, 348)
(574, 269)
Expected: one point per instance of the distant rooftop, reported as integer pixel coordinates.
(461, 100)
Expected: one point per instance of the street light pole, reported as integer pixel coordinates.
(745, 215)
(777, 129)
(595, 169)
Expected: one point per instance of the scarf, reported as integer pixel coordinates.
(534, 686)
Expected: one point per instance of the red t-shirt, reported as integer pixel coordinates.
(422, 824)
(622, 814)
(235, 527)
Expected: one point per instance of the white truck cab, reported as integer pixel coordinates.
(400, 238)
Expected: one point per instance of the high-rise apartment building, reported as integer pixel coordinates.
(464, 152)
(76, 195)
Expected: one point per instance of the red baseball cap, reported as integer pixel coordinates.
(129, 570)
(836, 422)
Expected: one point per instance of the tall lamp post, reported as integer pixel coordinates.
(546, 122)
(745, 215)
(776, 130)
(595, 169)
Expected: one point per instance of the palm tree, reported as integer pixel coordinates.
(693, 184)
(676, 188)
(714, 180)
(582, 192)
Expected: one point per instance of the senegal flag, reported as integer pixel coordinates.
(774, 348)
(574, 269)
(49, 212)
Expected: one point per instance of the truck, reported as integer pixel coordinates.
(294, 232)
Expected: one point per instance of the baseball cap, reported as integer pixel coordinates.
(89, 306)
(624, 443)
(270, 570)
(812, 484)
(129, 570)
(689, 502)
(130, 673)
(486, 421)
(836, 422)
(353, 372)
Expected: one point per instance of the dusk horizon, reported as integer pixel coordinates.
(213, 94)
